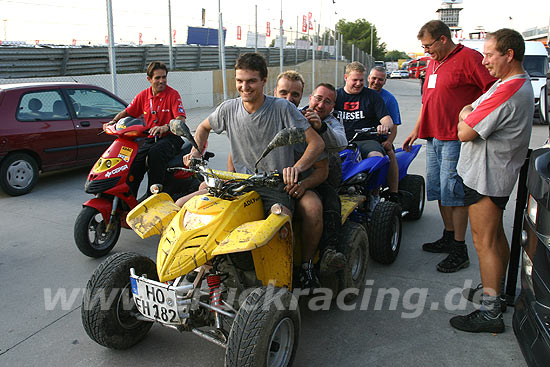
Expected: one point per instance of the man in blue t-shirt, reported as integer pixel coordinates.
(377, 80)
(359, 107)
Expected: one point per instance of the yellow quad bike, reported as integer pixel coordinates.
(223, 270)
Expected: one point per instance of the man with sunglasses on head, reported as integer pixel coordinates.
(455, 78)
(158, 105)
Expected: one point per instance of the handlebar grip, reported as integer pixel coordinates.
(226, 175)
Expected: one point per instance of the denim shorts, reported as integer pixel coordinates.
(443, 182)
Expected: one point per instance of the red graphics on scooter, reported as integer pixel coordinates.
(98, 225)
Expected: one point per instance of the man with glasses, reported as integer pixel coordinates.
(318, 204)
(454, 78)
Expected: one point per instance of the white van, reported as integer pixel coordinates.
(535, 62)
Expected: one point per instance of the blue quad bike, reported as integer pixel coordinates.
(383, 219)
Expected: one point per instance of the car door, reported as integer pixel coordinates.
(46, 128)
(92, 108)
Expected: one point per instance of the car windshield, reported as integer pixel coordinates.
(535, 65)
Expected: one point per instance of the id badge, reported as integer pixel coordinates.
(431, 81)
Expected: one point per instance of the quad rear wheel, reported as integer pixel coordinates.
(385, 232)
(356, 248)
(414, 195)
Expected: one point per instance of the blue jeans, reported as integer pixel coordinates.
(443, 182)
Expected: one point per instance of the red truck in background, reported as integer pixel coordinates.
(417, 66)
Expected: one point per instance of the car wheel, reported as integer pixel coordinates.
(19, 173)
(108, 309)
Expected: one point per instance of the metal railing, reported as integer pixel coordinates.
(26, 62)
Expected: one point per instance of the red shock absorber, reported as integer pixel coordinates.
(213, 282)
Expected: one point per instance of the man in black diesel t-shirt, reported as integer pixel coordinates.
(359, 107)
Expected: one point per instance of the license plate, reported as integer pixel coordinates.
(155, 300)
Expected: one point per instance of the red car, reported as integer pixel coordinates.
(51, 126)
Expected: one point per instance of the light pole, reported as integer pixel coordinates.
(112, 55)
(221, 49)
(170, 50)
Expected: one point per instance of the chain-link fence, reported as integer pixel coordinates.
(195, 71)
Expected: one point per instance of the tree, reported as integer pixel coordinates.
(359, 33)
(395, 55)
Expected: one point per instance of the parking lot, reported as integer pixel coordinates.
(43, 276)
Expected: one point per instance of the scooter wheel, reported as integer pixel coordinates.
(90, 235)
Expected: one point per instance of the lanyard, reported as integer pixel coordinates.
(153, 112)
(456, 49)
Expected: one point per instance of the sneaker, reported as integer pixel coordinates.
(308, 278)
(332, 261)
(457, 259)
(444, 244)
(477, 322)
(475, 295)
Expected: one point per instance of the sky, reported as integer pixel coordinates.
(397, 23)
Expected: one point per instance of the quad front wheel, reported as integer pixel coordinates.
(265, 331)
(385, 232)
(108, 309)
(90, 233)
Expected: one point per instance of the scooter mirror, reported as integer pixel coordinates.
(542, 165)
(287, 136)
(180, 128)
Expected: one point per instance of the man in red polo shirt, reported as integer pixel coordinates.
(455, 78)
(158, 104)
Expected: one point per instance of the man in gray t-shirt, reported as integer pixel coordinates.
(495, 132)
(251, 122)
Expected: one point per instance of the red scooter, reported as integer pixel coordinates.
(97, 227)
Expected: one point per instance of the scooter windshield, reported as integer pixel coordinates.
(127, 122)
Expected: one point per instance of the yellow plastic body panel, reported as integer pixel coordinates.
(181, 250)
(251, 235)
(153, 215)
(272, 254)
(273, 261)
(349, 203)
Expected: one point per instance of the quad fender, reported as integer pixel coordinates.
(270, 242)
(349, 203)
(153, 215)
(405, 158)
(102, 205)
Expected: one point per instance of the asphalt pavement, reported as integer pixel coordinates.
(401, 318)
